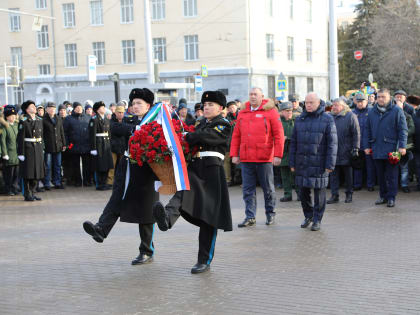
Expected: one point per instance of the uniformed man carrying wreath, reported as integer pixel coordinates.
(30, 150)
(134, 204)
(100, 145)
(207, 204)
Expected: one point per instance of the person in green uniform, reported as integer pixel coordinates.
(287, 177)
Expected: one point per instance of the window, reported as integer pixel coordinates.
(44, 70)
(40, 4)
(14, 21)
(308, 11)
(291, 9)
(68, 15)
(269, 40)
(158, 9)
(128, 82)
(71, 84)
(16, 54)
(42, 37)
(159, 49)
(310, 84)
(290, 49)
(127, 11)
(70, 55)
(18, 94)
(271, 86)
(190, 7)
(96, 16)
(291, 85)
(191, 47)
(128, 52)
(99, 52)
(101, 83)
(309, 50)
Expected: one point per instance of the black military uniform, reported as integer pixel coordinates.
(206, 204)
(134, 203)
(100, 146)
(30, 152)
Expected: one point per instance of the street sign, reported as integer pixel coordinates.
(281, 85)
(91, 63)
(198, 83)
(204, 72)
(358, 54)
(37, 24)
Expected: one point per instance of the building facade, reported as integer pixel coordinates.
(243, 43)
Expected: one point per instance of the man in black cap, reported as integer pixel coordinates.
(55, 143)
(401, 96)
(30, 149)
(294, 99)
(132, 197)
(206, 204)
(100, 145)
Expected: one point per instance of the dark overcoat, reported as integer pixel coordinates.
(54, 138)
(102, 144)
(33, 165)
(208, 198)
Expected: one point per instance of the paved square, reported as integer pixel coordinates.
(365, 260)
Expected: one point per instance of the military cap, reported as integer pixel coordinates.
(143, 94)
(214, 96)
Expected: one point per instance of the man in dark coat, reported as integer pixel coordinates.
(206, 204)
(131, 201)
(55, 143)
(361, 111)
(100, 145)
(401, 96)
(30, 150)
(415, 100)
(386, 133)
(348, 132)
(313, 153)
(76, 129)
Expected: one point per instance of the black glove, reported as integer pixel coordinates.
(355, 153)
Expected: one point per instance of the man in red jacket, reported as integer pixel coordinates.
(257, 143)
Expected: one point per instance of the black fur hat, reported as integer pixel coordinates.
(214, 96)
(97, 105)
(144, 94)
(25, 105)
(9, 110)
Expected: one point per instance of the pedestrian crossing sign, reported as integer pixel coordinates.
(281, 85)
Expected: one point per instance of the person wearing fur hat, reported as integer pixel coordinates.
(206, 204)
(131, 202)
(30, 149)
(348, 131)
(257, 143)
(100, 145)
(8, 146)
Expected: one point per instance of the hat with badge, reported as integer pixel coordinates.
(120, 109)
(361, 97)
(285, 106)
(98, 105)
(214, 96)
(9, 110)
(293, 98)
(143, 94)
(25, 105)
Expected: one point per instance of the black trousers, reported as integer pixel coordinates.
(29, 186)
(348, 178)
(207, 235)
(10, 174)
(76, 175)
(316, 209)
(101, 178)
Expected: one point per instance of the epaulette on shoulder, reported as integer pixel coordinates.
(24, 118)
(225, 120)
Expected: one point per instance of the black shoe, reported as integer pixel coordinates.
(142, 259)
(200, 268)
(349, 198)
(270, 220)
(247, 222)
(306, 223)
(29, 199)
(36, 198)
(59, 186)
(47, 188)
(371, 189)
(10, 193)
(333, 199)
(391, 203)
(357, 188)
(42, 189)
(316, 226)
(160, 216)
(94, 230)
(381, 201)
(406, 189)
(285, 199)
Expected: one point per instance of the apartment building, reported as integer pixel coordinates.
(243, 43)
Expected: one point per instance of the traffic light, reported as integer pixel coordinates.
(21, 74)
(13, 76)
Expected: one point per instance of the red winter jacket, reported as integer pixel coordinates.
(258, 135)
